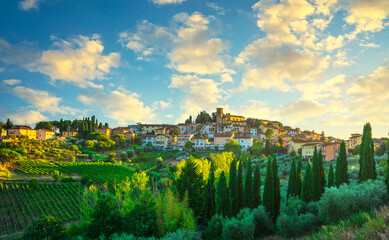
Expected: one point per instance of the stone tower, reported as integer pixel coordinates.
(219, 115)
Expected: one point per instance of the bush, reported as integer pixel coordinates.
(67, 180)
(215, 227)
(183, 235)
(297, 225)
(130, 153)
(46, 227)
(343, 202)
(239, 229)
(123, 156)
(263, 223)
(74, 230)
(33, 184)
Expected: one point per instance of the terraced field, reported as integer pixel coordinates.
(20, 205)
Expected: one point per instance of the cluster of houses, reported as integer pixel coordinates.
(214, 135)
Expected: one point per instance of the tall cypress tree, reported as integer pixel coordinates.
(234, 189)
(299, 176)
(248, 186)
(316, 181)
(240, 185)
(367, 168)
(341, 174)
(210, 196)
(223, 200)
(322, 174)
(276, 187)
(267, 147)
(268, 193)
(307, 193)
(331, 176)
(292, 181)
(257, 187)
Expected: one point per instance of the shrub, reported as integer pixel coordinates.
(239, 229)
(46, 227)
(123, 156)
(343, 202)
(67, 180)
(33, 184)
(215, 227)
(297, 225)
(130, 153)
(263, 223)
(183, 235)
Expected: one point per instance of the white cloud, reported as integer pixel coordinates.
(372, 45)
(167, 1)
(366, 15)
(202, 94)
(28, 5)
(122, 106)
(12, 82)
(220, 10)
(78, 61)
(169, 115)
(329, 89)
(27, 117)
(162, 104)
(188, 44)
(43, 101)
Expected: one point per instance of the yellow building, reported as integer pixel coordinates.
(70, 133)
(22, 131)
(308, 150)
(106, 131)
(220, 139)
(161, 141)
(44, 134)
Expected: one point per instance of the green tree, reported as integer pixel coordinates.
(268, 193)
(223, 200)
(267, 147)
(331, 177)
(234, 147)
(292, 181)
(367, 169)
(188, 145)
(299, 176)
(191, 181)
(210, 202)
(240, 185)
(203, 117)
(105, 218)
(307, 192)
(269, 133)
(46, 227)
(318, 175)
(248, 186)
(142, 219)
(112, 157)
(233, 189)
(8, 124)
(341, 174)
(276, 187)
(256, 187)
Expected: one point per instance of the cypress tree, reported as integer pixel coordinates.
(210, 196)
(387, 176)
(248, 186)
(341, 174)
(267, 147)
(223, 200)
(234, 189)
(299, 176)
(331, 177)
(292, 181)
(268, 193)
(316, 181)
(276, 187)
(367, 168)
(322, 174)
(240, 185)
(257, 187)
(307, 193)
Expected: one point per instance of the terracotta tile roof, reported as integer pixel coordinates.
(222, 135)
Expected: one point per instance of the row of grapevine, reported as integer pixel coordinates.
(21, 205)
(40, 167)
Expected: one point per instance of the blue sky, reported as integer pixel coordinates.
(313, 64)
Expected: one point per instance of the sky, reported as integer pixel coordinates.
(313, 64)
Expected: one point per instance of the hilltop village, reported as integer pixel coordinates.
(206, 132)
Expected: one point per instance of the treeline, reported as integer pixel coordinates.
(84, 126)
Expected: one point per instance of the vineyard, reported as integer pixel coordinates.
(21, 205)
(99, 172)
(39, 167)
